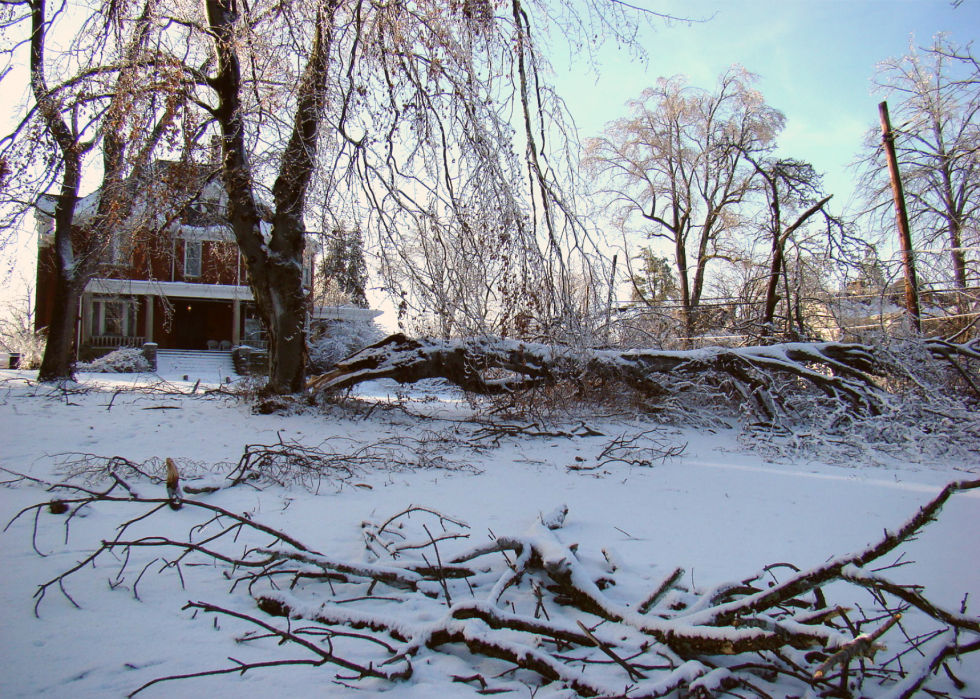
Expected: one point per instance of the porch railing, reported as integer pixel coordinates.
(103, 341)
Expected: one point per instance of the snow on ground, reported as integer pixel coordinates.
(717, 511)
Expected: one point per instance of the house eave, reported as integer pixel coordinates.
(187, 290)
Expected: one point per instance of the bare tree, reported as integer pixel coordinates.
(400, 123)
(790, 185)
(108, 101)
(72, 144)
(937, 129)
(272, 242)
(17, 332)
(676, 170)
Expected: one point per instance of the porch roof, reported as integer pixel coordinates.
(213, 292)
(187, 290)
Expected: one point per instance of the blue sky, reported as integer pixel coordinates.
(816, 59)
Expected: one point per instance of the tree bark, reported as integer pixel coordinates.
(58, 361)
(687, 312)
(275, 266)
(79, 254)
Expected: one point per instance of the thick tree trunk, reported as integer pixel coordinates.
(687, 313)
(58, 361)
(953, 214)
(274, 264)
(959, 262)
(59, 351)
(840, 371)
(285, 302)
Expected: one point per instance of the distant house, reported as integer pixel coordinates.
(862, 311)
(172, 275)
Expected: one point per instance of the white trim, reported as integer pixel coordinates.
(218, 234)
(214, 292)
(139, 287)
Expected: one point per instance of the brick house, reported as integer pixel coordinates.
(176, 278)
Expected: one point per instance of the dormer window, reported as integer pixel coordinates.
(192, 258)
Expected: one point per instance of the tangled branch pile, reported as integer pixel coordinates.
(535, 611)
(497, 366)
(910, 398)
(285, 463)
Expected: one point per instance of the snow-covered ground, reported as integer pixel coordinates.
(718, 511)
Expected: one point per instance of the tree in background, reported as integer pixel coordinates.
(935, 107)
(343, 269)
(655, 281)
(118, 99)
(792, 193)
(676, 170)
(17, 332)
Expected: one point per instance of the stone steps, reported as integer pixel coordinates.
(211, 365)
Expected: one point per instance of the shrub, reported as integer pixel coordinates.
(339, 340)
(124, 360)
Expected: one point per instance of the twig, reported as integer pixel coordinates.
(632, 671)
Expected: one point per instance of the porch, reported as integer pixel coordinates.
(182, 316)
(173, 315)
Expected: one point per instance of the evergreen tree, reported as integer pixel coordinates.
(656, 281)
(343, 267)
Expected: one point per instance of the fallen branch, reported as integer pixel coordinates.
(496, 366)
(531, 602)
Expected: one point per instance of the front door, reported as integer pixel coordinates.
(191, 324)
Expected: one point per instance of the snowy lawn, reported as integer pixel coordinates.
(717, 511)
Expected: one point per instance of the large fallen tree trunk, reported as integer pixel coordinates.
(493, 366)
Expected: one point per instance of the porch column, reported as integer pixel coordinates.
(236, 323)
(78, 327)
(86, 317)
(149, 318)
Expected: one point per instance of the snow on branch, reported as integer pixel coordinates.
(532, 603)
(494, 366)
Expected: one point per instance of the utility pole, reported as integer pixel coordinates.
(902, 215)
(609, 301)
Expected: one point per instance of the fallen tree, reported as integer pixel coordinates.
(762, 379)
(841, 371)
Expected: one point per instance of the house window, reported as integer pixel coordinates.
(113, 318)
(308, 274)
(192, 258)
(116, 248)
